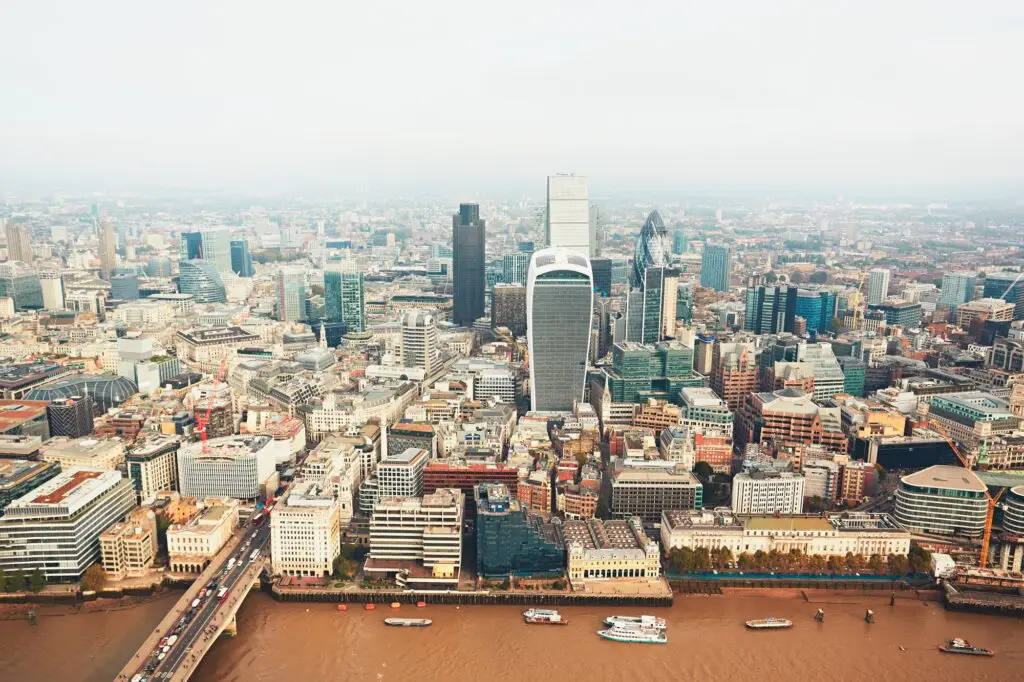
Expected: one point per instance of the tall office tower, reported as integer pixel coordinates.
(241, 259)
(957, 288)
(108, 249)
(419, 340)
(559, 308)
(733, 372)
(212, 246)
(604, 316)
(53, 290)
(19, 242)
(344, 299)
(514, 267)
(508, 308)
(468, 239)
(1008, 286)
(878, 285)
(602, 269)
(716, 267)
(595, 231)
(159, 266)
(568, 214)
(817, 307)
(199, 278)
(679, 241)
(770, 309)
(291, 294)
(651, 303)
(71, 416)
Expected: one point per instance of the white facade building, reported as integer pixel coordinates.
(401, 475)
(568, 214)
(192, 545)
(305, 530)
(878, 285)
(768, 492)
(241, 467)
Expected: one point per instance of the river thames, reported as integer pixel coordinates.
(706, 641)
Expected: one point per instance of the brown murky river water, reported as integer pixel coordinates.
(707, 642)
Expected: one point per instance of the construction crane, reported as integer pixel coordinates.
(202, 423)
(857, 314)
(993, 500)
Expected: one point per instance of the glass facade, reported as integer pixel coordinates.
(716, 267)
(199, 278)
(344, 299)
(26, 290)
(817, 307)
(647, 371)
(468, 280)
(510, 540)
(241, 259)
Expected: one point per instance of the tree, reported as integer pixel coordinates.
(797, 277)
(3, 580)
(36, 581)
(814, 505)
(16, 583)
(816, 563)
(919, 559)
(875, 564)
(703, 471)
(162, 524)
(836, 324)
(316, 289)
(701, 559)
(818, 277)
(94, 578)
(834, 565)
(771, 278)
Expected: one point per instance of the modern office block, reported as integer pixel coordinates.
(568, 214)
(241, 259)
(468, 242)
(716, 267)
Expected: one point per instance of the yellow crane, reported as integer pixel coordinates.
(993, 500)
(858, 315)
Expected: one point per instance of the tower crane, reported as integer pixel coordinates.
(858, 315)
(992, 500)
(203, 422)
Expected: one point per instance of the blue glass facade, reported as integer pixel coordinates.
(510, 540)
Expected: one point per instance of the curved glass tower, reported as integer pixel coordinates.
(559, 305)
(201, 279)
(652, 248)
(652, 298)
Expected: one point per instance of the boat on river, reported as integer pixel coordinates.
(408, 622)
(544, 617)
(650, 622)
(769, 624)
(962, 646)
(634, 634)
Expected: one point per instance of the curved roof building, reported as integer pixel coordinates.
(559, 305)
(652, 248)
(201, 279)
(106, 390)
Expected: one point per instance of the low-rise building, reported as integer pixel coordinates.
(305, 530)
(128, 547)
(766, 491)
(646, 488)
(19, 476)
(97, 453)
(604, 550)
(153, 466)
(194, 542)
(242, 467)
(943, 500)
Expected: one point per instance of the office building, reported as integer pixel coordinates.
(52, 287)
(242, 467)
(466, 477)
(107, 249)
(971, 418)
(202, 281)
(817, 307)
(609, 550)
(703, 409)
(212, 246)
(835, 535)
(957, 288)
(675, 444)
(510, 540)
(602, 270)
(733, 372)
(899, 313)
(56, 527)
(878, 285)
(1009, 286)
(515, 267)
(22, 285)
(19, 476)
(508, 308)
(70, 417)
(568, 214)
(983, 309)
(19, 241)
(124, 287)
(651, 306)
(153, 466)
(942, 500)
(640, 372)
(644, 489)
(241, 259)
(344, 299)
(766, 491)
(420, 347)
(194, 541)
(401, 475)
(305, 531)
(206, 346)
(96, 453)
(789, 416)
(291, 294)
(716, 267)
(854, 373)
(468, 283)
(769, 309)
(158, 266)
(408, 434)
(128, 547)
(559, 305)
(417, 540)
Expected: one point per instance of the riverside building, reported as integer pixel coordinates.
(305, 531)
(942, 500)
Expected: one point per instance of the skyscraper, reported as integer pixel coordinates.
(817, 306)
(568, 214)
(241, 259)
(191, 245)
(19, 242)
(508, 308)
(199, 278)
(651, 303)
(53, 290)
(716, 267)
(291, 294)
(1008, 286)
(514, 267)
(957, 288)
(595, 231)
(602, 269)
(559, 305)
(212, 246)
(344, 299)
(108, 249)
(419, 340)
(770, 309)
(878, 285)
(468, 239)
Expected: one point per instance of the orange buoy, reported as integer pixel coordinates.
(395, 605)
(342, 607)
(420, 604)
(370, 607)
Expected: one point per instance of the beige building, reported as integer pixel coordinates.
(305, 530)
(602, 550)
(128, 547)
(96, 453)
(862, 534)
(191, 545)
(993, 309)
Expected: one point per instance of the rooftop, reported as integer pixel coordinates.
(13, 472)
(65, 494)
(782, 523)
(944, 476)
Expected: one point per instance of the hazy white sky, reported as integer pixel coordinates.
(757, 93)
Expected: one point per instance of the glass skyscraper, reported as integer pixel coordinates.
(344, 299)
(241, 259)
(468, 241)
(213, 246)
(514, 267)
(651, 302)
(291, 294)
(559, 305)
(716, 267)
(817, 307)
(199, 278)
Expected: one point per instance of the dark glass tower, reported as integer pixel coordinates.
(468, 264)
(241, 259)
(192, 245)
